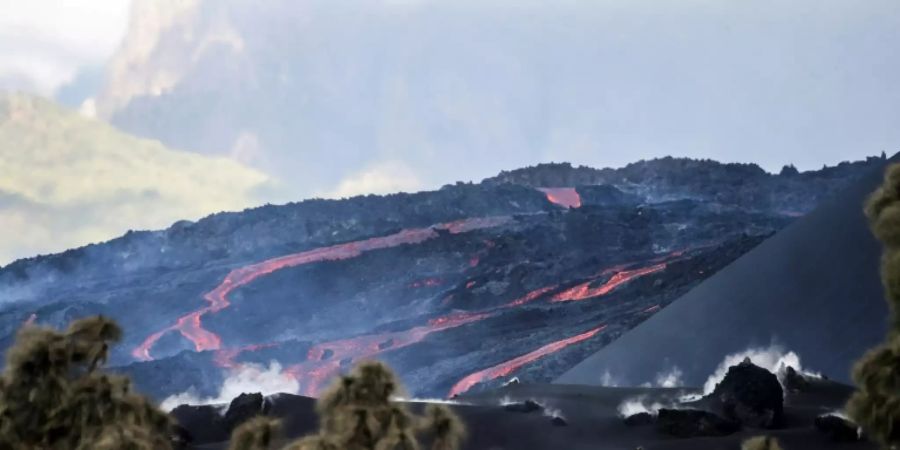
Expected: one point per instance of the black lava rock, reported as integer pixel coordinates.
(837, 429)
(243, 408)
(687, 423)
(524, 407)
(795, 381)
(750, 395)
(639, 419)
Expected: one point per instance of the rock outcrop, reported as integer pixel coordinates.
(750, 395)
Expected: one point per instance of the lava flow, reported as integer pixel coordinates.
(563, 196)
(584, 290)
(508, 367)
(190, 325)
(325, 360)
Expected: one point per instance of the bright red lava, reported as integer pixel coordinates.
(530, 297)
(190, 325)
(563, 196)
(584, 290)
(508, 367)
(323, 361)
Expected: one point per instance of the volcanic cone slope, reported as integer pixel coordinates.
(813, 288)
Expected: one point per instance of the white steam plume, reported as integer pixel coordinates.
(774, 359)
(249, 378)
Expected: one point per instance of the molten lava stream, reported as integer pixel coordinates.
(565, 196)
(324, 360)
(585, 291)
(508, 367)
(190, 325)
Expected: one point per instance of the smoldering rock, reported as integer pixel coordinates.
(243, 408)
(524, 407)
(837, 429)
(639, 419)
(751, 395)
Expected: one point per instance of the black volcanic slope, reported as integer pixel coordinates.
(458, 289)
(813, 288)
(591, 415)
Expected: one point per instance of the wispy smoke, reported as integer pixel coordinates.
(248, 379)
(639, 405)
(667, 379)
(607, 380)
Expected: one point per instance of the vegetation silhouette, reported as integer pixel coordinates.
(53, 395)
(876, 405)
(761, 443)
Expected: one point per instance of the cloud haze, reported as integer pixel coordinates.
(67, 181)
(45, 43)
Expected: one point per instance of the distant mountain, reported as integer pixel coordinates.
(67, 180)
(457, 288)
(813, 288)
(327, 94)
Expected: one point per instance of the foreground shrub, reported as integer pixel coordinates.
(53, 395)
(357, 414)
(761, 443)
(876, 405)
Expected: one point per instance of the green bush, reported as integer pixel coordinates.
(876, 405)
(52, 395)
(357, 414)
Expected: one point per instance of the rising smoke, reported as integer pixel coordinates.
(774, 358)
(246, 379)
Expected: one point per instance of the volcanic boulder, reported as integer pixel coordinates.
(559, 421)
(524, 407)
(750, 395)
(688, 423)
(639, 419)
(837, 428)
(243, 408)
(795, 381)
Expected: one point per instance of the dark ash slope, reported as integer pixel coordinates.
(813, 288)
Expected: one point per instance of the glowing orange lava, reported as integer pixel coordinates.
(508, 367)
(530, 297)
(324, 360)
(584, 290)
(564, 196)
(190, 325)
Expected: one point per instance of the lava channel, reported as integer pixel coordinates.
(508, 367)
(563, 196)
(585, 291)
(190, 325)
(324, 361)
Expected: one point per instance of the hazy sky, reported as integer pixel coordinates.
(500, 84)
(804, 81)
(43, 43)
